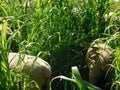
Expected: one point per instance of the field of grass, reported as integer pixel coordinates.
(60, 32)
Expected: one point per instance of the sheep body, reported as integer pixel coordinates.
(98, 57)
(40, 69)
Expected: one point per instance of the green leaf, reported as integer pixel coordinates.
(3, 34)
(78, 78)
(61, 77)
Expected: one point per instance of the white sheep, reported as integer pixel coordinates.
(39, 70)
(98, 58)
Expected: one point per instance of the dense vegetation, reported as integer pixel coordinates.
(60, 32)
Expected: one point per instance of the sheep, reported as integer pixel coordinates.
(39, 70)
(98, 58)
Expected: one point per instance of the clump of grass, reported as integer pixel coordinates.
(6, 79)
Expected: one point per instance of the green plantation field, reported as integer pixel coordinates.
(60, 32)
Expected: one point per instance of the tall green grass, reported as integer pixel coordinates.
(116, 83)
(4, 69)
(60, 31)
